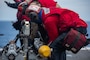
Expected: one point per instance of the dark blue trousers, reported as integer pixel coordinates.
(59, 52)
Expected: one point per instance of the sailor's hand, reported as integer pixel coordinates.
(6, 2)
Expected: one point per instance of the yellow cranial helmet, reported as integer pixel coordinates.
(44, 51)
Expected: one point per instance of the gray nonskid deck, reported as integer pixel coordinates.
(83, 54)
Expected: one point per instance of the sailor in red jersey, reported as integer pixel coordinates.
(64, 19)
(58, 21)
(23, 5)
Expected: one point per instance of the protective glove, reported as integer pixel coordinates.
(7, 3)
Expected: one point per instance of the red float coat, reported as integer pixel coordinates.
(58, 20)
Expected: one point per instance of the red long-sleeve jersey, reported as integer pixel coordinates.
(59, 20)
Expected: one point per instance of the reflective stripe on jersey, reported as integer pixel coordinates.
(46, 10)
